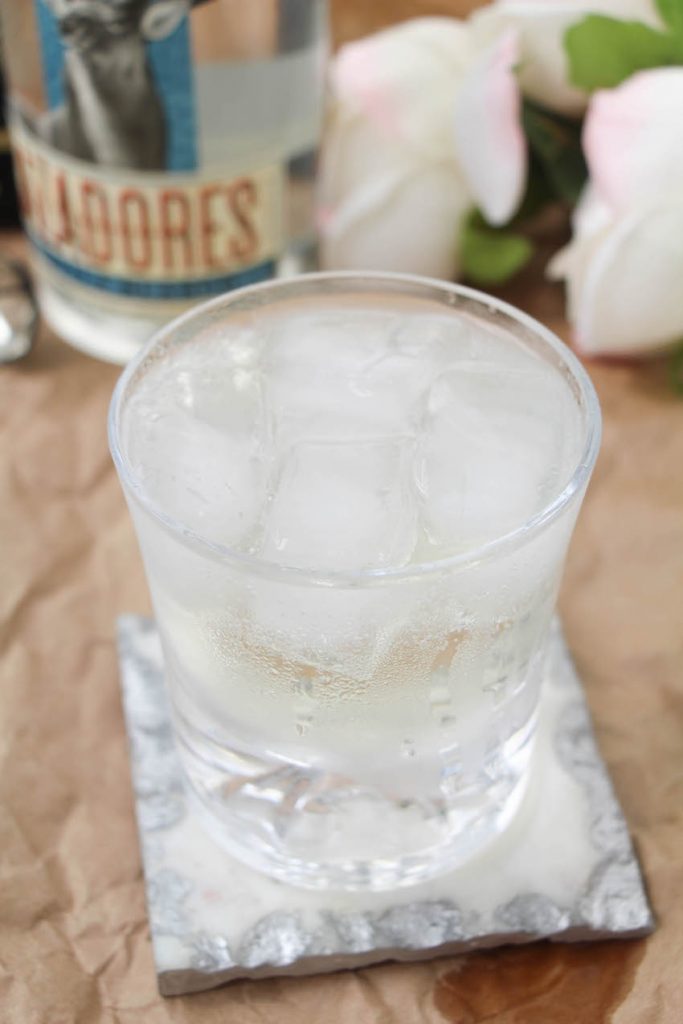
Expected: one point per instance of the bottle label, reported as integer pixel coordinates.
(147, 235)
(111, 143)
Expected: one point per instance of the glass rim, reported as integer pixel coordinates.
(446, 292)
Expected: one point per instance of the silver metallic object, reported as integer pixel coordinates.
(18, 312)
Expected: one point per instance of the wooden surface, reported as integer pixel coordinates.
(74, 945)
(354, 18)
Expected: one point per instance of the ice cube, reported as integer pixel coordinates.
(340, 377)
(222, 386)
(342, 506)
(211, 481)
(442, 342)
(433, 340)
(492, 452)
(201, 452)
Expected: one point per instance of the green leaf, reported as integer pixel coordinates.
(603, 51)
(672, 14)
(555, 142)
(489, 255)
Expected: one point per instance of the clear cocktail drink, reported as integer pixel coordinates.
(353, 497)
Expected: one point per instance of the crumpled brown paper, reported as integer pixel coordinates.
(74, 942)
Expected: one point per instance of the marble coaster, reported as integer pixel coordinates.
(564, 870)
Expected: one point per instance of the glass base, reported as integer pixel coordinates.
(319, 830)
(101, 332)
(93, 330)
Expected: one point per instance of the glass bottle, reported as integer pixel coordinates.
(164, 151)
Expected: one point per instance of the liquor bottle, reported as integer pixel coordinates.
(164, 152)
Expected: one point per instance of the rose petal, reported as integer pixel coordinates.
(352, 153)
(544, 69)
(632, 137)
(391, 193)
(404, 81)
(405, 221)
(489, 137)
(625, 282)
(591, 214)
(590, 220)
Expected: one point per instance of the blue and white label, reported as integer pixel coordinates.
(108, 173)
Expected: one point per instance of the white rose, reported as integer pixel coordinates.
(624, 266)
(422, 127)
(541, 24)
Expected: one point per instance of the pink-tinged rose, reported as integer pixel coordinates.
(394, 186)
(633, 140)
(624, 282)
(624, 266)
(541, 24)
(404, 80)
(489, 137)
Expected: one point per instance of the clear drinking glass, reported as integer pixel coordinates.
(353, 495)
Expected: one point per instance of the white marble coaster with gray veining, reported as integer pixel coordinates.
(564, 870)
